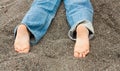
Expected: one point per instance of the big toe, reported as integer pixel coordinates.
(76, 54)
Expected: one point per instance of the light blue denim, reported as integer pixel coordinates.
(41, 13)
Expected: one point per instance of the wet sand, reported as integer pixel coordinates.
(55, 51)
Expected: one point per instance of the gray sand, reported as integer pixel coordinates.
(55, 51)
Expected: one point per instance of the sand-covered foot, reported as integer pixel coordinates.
(81, 48)
(21, 44)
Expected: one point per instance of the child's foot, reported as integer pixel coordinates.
(21, 43)
(81, 48)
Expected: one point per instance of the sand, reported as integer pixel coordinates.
(54, 52)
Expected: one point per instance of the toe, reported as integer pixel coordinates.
(25, 50)
(86, 52)
(83, 55)
(17, 49)
(76, 54)
(80, 55)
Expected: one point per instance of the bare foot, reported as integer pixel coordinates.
(81, 48)
(21, 44)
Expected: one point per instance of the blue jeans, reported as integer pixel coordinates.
(41, 13)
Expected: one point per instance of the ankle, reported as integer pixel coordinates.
(22, 26)
(22, 29)
(82, 31)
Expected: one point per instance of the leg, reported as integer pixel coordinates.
(79, 15)
(36, 21)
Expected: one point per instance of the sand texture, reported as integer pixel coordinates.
(55, 51)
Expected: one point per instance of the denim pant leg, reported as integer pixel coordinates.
(79, 12)
(39, 17)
